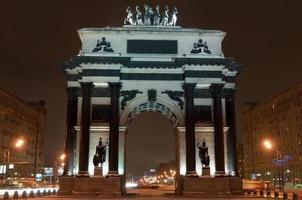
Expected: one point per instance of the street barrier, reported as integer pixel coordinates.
(16, 195)
(24, 195)
(5, 196)
(32, 194)
(39, 193)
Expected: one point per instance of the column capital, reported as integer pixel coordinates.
(72, 92)
(115, 84)
(189, 85)
(189, 89)
(216, 89)
(86, 85)
(229, 94)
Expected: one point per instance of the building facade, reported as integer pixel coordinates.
(21, 121)
(278, 120)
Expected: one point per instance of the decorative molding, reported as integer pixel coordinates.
(128, 95)
(175, 96)
(152, 95)
(153, 106)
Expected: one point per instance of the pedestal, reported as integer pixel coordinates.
(91, 186)
(98, 171)
(205, 186)
(206, 171)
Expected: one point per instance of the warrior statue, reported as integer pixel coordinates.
(156, 20)
(173, 17)
(203, 154)
(130, 17)
(100, 153)
(139, 17)
(148, 14)
(165, 19)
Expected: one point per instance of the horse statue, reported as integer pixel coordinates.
(165, 19)
(173, 19)
(130, 17)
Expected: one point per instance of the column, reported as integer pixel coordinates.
(114, 129)
(216, 90)
(85, 128)
(190, 129)
(232, 135)
(71, 121)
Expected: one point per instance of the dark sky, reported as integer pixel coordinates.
(265, 36)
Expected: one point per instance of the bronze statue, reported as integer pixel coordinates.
(130, 17)
(165, 19)
(156, 21)
(203, 153)
(100, 153)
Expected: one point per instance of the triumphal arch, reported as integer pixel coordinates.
(150, 64)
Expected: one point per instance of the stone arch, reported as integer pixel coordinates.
(162, 105)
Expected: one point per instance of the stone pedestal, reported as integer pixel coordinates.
(66, 185)
(91, 186)
(206, 171)
(211, 186)
(98, 171)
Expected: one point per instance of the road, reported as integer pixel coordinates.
(146, 194)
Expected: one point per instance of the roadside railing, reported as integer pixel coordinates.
(273, 194)
(27, 193)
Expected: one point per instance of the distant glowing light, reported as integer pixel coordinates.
(62, 157)
(131, 185)
(19, 143)
(268, 144)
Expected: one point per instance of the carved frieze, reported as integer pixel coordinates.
(175, 96)
(128, 95)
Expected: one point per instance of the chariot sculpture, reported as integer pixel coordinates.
(151, 16)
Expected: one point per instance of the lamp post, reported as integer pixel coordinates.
(18, 144)
(268, 144)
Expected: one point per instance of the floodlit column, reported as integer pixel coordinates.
(85, 129)
(114, 129)
(232, 135)
(216, 90)
(190, 129)
(71, 121)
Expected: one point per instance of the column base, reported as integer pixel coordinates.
(191, 174)
(113, 174)
(82, 174)
(220, 173)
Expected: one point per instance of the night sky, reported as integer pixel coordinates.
(265, 36)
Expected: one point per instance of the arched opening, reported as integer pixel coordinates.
(151, 154)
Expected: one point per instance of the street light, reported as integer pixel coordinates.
(19, 143)
(268, 144)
